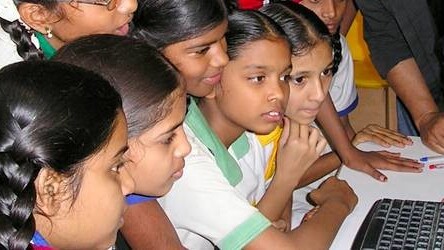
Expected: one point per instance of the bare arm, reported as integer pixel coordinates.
(147, 227)
(336, 200)
(347, 126)
(406, 77)
(299, 146)
(367, 162)
(321, 167)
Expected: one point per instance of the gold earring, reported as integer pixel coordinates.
(48, 32)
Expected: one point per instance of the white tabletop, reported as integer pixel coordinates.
(427, 185)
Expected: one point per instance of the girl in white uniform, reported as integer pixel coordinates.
(211, 205)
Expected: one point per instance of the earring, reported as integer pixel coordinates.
(48, 32)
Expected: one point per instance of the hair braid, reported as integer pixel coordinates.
(337, 50)
(22, 38)
(17, 199)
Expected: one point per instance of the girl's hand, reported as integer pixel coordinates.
(310, 214)
(382, 136)
(281, 225)
(337, 191)
(299, 146)
(370, 162)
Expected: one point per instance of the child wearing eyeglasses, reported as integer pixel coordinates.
(34, 30)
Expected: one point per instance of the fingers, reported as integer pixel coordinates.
(400, 164)
(434, 145)
(334, 190)
(310, 214)
(280, 225)
(431, 129)
(382, 136)
(291, 131)
(373, 172)
(285, 131)
(304, 132)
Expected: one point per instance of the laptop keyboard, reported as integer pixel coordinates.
(402, 224)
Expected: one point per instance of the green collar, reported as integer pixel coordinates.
(48, 50)
(197, 123)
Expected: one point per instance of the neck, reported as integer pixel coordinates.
(226, 130)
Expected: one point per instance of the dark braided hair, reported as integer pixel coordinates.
(52, 115)
(337, 50)
(303, 27)
(22, 36)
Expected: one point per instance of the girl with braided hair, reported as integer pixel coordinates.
(63, 137)
(35, 29)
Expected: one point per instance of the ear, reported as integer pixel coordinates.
(50, 187)
(37, 16)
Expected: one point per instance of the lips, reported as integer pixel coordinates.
(332, 27)
(273, 116)
(179, 172)
(213, 80)
(311, 112)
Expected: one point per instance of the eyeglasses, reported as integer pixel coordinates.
(110, 4)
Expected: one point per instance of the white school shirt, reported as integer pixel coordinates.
(206, 209)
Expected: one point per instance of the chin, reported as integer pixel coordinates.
(264, 131)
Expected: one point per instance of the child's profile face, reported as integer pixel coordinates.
(82, 19)
(329, 11)
(157, 155)
(200, 60)
(254, 88)
(91, 221)
(310, 81)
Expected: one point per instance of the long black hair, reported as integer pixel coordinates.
(303, 27)
(148, 83)
(52, 115)
(165, 22)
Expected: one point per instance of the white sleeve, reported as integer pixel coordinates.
(203, 206)
(343, 89)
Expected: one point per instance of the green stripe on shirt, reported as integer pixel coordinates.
(245, 232)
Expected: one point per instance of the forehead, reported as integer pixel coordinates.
(264, 54)
(320, 54)
(173, 118)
